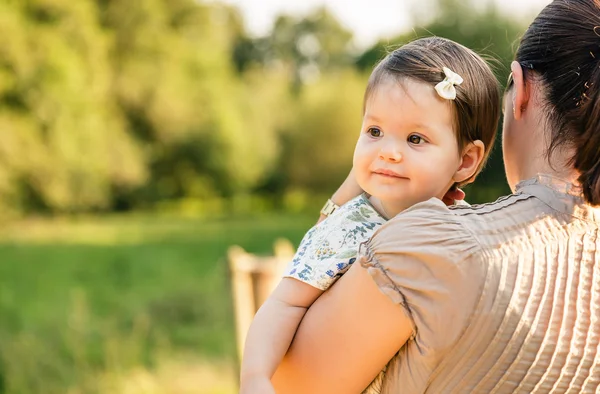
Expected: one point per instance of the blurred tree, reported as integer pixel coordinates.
(114, 104)
(307, 45)
(321, 139)
(63, 140)
(178, 89)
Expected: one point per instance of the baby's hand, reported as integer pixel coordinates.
(257, 385)
(453, 195)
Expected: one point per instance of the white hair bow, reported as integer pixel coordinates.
(446, 88)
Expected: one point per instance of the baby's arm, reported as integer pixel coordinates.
(272, 331)
(346, 192)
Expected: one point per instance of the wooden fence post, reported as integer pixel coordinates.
(253, 278)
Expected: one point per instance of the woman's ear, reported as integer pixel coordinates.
(471, 159)
(520, 92)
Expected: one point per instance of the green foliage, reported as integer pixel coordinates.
(321, 139)
(306, 45)
(115, 105)
(63, 141)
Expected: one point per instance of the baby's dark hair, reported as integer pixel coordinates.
(477, 103)
(562, 47)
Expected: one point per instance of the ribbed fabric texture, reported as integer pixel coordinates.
(533, 325)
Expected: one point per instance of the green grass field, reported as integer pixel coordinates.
(108, 304)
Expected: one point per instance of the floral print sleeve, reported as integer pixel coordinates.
(329, 248)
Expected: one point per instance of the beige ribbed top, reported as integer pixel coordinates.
(504, 297)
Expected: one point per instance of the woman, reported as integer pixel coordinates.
(495, 298)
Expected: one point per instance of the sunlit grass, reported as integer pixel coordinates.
(182, 376)
(85, 298)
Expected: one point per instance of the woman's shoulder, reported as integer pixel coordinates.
(434, 207)
(425, 259)
(464, 225)
(429, 225)
(433, 244)
(427, 243)
(431, 255)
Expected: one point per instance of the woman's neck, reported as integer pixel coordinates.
(560, 169)
(535, 138)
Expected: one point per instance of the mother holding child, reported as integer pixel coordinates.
(496, 298)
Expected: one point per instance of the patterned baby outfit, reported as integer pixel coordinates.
(329, 248)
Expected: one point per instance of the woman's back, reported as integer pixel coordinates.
(515, 307)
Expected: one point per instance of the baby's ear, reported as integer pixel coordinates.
(471, 159)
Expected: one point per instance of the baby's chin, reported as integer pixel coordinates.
(403, 201)
(390, 193)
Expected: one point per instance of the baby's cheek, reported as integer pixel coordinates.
(361, 178)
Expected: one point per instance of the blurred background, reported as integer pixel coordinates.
(140, 139)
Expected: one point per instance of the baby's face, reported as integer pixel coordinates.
(407, 150)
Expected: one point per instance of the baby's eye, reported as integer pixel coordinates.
(416, 139)
(374, 132)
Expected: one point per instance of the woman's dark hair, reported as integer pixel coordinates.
(476, 107)
(562, 47)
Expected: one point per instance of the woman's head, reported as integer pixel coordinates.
(559, 57)
(409, 129)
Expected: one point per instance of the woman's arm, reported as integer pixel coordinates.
(345, 339)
